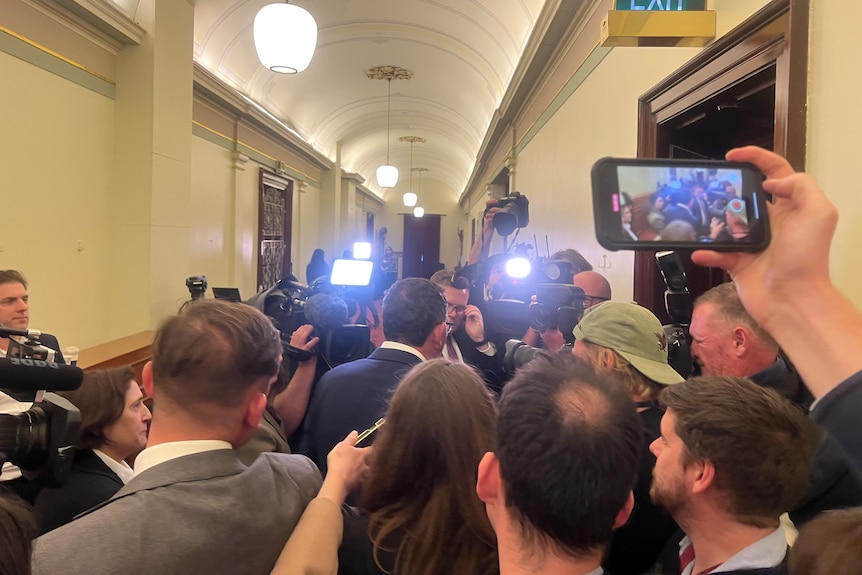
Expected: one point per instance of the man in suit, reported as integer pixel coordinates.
(732, 457)
(15, 314)
(354, 395)
(466, 341)
(192, 506)
(553, 517)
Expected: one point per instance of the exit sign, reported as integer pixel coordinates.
(655, 5)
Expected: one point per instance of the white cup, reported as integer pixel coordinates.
(70, 354)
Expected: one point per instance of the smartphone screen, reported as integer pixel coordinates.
(657, 204)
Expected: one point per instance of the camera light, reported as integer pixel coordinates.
(362, 250)
(518, 268)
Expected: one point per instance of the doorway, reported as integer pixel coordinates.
(421, 246)
(749, 87)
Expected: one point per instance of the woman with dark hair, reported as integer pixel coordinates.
(113, 428)
(420, 512)
(317, 267)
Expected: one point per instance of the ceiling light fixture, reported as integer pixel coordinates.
(418, 211)
(285, 37)
(387, 174)
(410, 198)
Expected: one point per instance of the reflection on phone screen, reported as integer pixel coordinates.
(681, 204)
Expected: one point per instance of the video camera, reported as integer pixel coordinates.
(679, 304)
(197, 286)
(41, 438)
(514, 213)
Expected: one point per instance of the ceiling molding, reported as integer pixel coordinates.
(209, 84)
(104, 16)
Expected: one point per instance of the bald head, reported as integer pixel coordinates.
(595, 286)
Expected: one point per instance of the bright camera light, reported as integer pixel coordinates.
(362, 250)
(518, 268)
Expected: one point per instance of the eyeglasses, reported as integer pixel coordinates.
(591, 300)
(458, 309)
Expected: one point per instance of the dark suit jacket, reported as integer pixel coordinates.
(49, 340)
(838, 411)
(351, 397)
(201, 513)
(90, 482)
(489, 367)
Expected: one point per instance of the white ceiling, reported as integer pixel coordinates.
(462, 54)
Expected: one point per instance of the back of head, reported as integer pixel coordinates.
(579, 262)
(828, 544)
(326, 311)
(594, 284)
(213, 354)
(568, 443)
(758, 443)
(679, 231)
(412, 308)
(101, 400)
(18, 528)
(12, 276)
(439, 424)
(728, 306)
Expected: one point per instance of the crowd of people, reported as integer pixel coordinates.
(596, 457)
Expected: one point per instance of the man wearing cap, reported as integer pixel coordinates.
(627, 342)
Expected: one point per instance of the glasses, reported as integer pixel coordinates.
(591, 300)
(457, 309)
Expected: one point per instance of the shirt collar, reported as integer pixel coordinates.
(157, 454)
(120, 468)
(764, 553)
(402, 347)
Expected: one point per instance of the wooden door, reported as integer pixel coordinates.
(275, 223)
(421, 246)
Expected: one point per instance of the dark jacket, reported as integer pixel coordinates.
(351, 397)
(490, 367)
(90, 482)
(838, 411)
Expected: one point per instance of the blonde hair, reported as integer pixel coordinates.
(636, 384)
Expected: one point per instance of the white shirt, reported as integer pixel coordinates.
(121, 468)
(163, 452)
(767, 552)
(403, 347)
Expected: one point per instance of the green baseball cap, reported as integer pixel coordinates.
(633, 332)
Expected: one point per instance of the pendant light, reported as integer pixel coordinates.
(418, 211)
(285, 37)
(387, 174)
(410, 197)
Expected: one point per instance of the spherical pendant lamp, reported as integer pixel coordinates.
(285, 37)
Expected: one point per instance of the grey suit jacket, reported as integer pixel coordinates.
(202, 513)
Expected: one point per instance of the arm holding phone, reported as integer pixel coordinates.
(787, 290)
(313, 546)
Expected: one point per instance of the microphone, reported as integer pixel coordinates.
(28, 333)
(17, 374)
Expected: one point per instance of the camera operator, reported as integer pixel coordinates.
(466, 341)
(15, 314)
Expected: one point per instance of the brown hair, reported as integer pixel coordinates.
(579, 262)
(422, 480)
(12, 276)
(728, 305)
(101, 400)
(636, 384)
(828, 544)
(18, 528)
(759, 443)
(213, 353)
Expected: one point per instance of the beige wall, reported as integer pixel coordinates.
(834, 125)
(57, 181)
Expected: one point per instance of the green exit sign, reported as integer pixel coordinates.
(655, 5)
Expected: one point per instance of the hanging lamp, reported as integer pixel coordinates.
(418, 211)
(387, 174)
(410, 198)
(285, 37)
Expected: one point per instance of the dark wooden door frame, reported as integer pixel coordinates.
(776, 35)
(273, 180)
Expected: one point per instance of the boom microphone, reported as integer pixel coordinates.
(17, 374)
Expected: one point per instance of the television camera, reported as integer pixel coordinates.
(41, 436)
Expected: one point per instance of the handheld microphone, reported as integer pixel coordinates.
(18, 374)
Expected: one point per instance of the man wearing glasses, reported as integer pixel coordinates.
(466, 341)
(596, 287)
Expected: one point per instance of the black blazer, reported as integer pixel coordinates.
(489, 367)
(351, 397)
(91, 482)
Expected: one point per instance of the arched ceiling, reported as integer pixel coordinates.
(462, 54)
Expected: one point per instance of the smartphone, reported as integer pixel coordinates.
(666, 204)
(365, 434)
